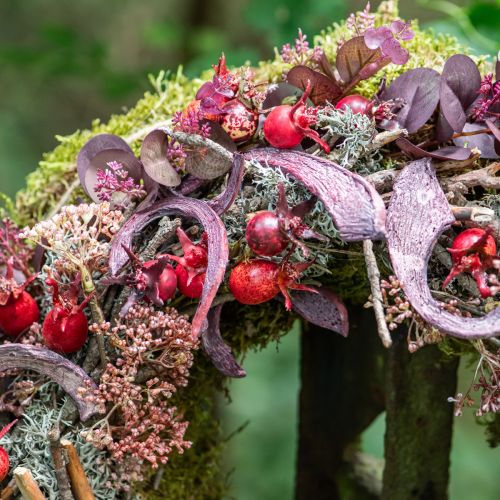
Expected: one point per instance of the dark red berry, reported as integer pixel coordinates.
(286, 126)
(357, 103)
(193, 287)
(167, 284)
(264, 235)
(255, 281)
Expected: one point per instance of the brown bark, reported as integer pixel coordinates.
(341, 394)
(419, 422)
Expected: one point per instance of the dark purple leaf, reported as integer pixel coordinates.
(323, 309)
(63, 372)
(217, 350)
(205, 158)
(355, 206)
(451, 107)
(190, 184)
(484, 142)
(444, 131)
(353, 56)
(217, 244)
(463, 78)
(419, 88)
(97, 153)
(417, 215)
(154, 157)
(223, 201)
(443, 154)
(494, 129)
(323, 89)
(277, 93)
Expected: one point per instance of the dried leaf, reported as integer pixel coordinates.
(417, 215)
(355, 206)
(216, 349)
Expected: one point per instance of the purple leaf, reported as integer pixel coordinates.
(223, 201)
(190, 184)
(217, 244)
(375, 37)
(323, 89)
(417, 215)
(451, 108)
(494, 129)
(355, 206)
(217, 350)
(96, 154)
(392, 49)
(484, 142)
(419, 88)
(277, 93)
(463, 78)
(63, 372)
(353, 56)
(443, 154)
(154, 157)
(323, 309)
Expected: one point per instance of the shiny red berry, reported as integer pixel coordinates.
(4, 457)
(18, 314)
(65, 331)
(264, 235)
(255, 281)
(167, 283)
(357, 103)
(191, 288)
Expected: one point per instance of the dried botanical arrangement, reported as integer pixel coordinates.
(360, 169)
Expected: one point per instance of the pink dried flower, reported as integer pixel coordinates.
(490, 95)
(361, 21)
(116, 179)
(388, 40)
(155, 353)
(301, 53)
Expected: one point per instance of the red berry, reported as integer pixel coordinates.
(357, 103)
(238, 121)
(286, 126)
(466, 241)
(190, 288)
(18, 314)
(255, 281)
(167, 283)
(264, 235)
(4, 457)
(65, 331)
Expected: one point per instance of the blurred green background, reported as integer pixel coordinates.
(63, 64)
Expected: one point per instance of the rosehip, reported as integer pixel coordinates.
(255, 281)
(18, 309)
(357, 103)
(191, 288)
(4, 457)
(167, 283)
(238, 121)
(264, 235)
(286, 126)
(65, 328)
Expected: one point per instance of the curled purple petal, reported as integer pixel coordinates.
(223, 201)
(217, 244)
(392, 48)
(356, 208)
(443, 154)
(375, 37)
(63, 372)
(417, 215)
(323, 309)
(217, 350)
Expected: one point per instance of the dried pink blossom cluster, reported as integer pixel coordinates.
(116, 179)
(155, 353)
(191, 122)
(79, 236)
(490, 95)
(359, 22)
(301, 53)
(13, 247)
(397, 307)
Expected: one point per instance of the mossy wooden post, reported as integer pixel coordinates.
(341, 394)
(419, 422)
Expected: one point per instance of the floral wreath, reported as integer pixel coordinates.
(243, 189)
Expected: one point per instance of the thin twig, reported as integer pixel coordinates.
(377, 299)
(59, 463)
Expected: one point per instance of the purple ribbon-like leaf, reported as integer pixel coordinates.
(417, 215)
(324, 309)
(54, 366)
(484, 142)
(217, 350)
(443, 154)
(356, 208)
(217, 244)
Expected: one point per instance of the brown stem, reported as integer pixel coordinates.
(79, 483)
(59, 464)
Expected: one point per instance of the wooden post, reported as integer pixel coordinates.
(419, 422)
(27, 485)
(341, 394)
(79, 483)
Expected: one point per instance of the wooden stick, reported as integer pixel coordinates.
(377, 300)
(9, 490)
(59, 464)
(79, 483)
(475, 214)
(27, 485)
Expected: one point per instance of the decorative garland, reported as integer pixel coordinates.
(249, 192)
